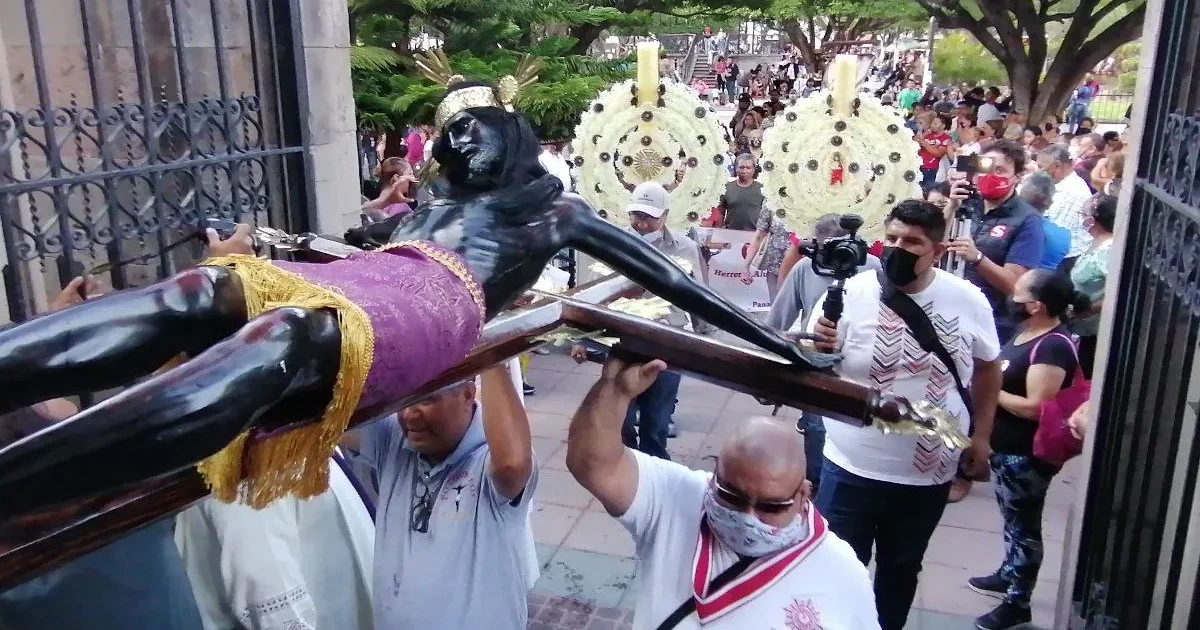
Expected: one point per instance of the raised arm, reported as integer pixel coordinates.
(651, 269)
(595, 454)
(506, 428)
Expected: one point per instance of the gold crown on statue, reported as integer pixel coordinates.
(435, 66)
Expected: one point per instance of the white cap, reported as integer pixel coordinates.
(648, 198)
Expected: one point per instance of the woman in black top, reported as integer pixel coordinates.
(1038, 362)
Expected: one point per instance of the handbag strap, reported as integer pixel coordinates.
(1074, 350)
(689, 606)
(925, 335)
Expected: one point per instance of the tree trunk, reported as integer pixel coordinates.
(808, 51)
(403, 47)
(585, 35)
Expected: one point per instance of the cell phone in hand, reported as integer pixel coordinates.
(224, 227)
(968, 164)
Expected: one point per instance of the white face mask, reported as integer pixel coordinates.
(653, 237)
(745, 535)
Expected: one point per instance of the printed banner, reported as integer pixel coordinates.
(725, 269)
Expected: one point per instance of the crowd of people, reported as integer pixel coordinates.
(427, 520)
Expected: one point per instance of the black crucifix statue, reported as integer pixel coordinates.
(282, 357)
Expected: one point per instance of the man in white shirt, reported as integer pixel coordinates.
(739, 548)
(1071, 195)
(889, 491)
(552, 160)
(989, 112)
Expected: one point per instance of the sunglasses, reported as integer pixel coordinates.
(741, 502)
(424, 498)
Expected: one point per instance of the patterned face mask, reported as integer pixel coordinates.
(745, 535)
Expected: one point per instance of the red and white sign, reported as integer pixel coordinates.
(726, 267)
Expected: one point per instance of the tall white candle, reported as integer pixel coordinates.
(843, 84)
(647, 73)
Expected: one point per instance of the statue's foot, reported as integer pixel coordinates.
(820, 360)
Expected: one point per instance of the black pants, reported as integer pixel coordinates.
(897, 519)
(1087, 355)
(649, 417)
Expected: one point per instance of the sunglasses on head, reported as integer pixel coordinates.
(741, 502)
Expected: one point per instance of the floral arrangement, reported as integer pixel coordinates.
(815, 162)
(676, 142)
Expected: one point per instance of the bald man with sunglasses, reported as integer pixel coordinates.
(742, 547)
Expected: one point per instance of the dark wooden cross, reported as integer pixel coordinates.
(33, 543)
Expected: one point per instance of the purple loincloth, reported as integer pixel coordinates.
(423, 316)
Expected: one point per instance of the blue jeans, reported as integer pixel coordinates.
(897, 519)
(651, 413)
(813, 427)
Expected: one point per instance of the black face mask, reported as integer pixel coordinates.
(1017, 311)
(899, 265)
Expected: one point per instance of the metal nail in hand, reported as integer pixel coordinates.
(278, 239)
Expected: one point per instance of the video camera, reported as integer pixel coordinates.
(841, 256)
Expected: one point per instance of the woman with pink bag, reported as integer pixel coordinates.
(1041, 367)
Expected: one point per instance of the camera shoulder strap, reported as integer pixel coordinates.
(719, 582)
(923, 332)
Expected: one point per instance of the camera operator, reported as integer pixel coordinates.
(1006, 232)
(886, 490)
(799, 292)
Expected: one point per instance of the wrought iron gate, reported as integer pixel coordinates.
(1139, 551)
(126, 124)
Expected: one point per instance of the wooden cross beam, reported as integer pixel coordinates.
(31, 544)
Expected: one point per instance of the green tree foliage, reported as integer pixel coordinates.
(821, 28)
(958, 58)
(388, 100)
(1017, 33)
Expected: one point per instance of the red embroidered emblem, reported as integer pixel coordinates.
(802, 615)
(999, 231)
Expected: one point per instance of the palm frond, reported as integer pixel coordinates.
(373, 59)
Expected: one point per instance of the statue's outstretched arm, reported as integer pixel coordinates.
(654, 271)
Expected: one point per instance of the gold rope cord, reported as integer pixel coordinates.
(296, 462)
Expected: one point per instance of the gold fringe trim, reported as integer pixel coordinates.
(297, 462)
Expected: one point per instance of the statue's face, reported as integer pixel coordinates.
(476, 148)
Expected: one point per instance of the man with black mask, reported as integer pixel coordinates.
(889, 491)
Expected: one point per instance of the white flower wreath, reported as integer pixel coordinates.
(620, 144)
(873, 148)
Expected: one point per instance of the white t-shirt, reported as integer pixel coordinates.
(987, 113)
(557, 166)
(817, 585)
(880, 351)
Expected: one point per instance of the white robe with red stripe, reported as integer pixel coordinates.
(818, 584)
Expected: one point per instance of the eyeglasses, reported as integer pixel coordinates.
(741, 502)
(425, 492)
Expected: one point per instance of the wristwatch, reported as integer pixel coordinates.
(977, 260)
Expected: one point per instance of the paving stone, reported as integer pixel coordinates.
(600, 533)
(547, 424)
(558, 487)
(552, 523)
(587, 578)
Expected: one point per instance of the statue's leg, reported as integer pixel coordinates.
(280, 366)
(111, 341)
